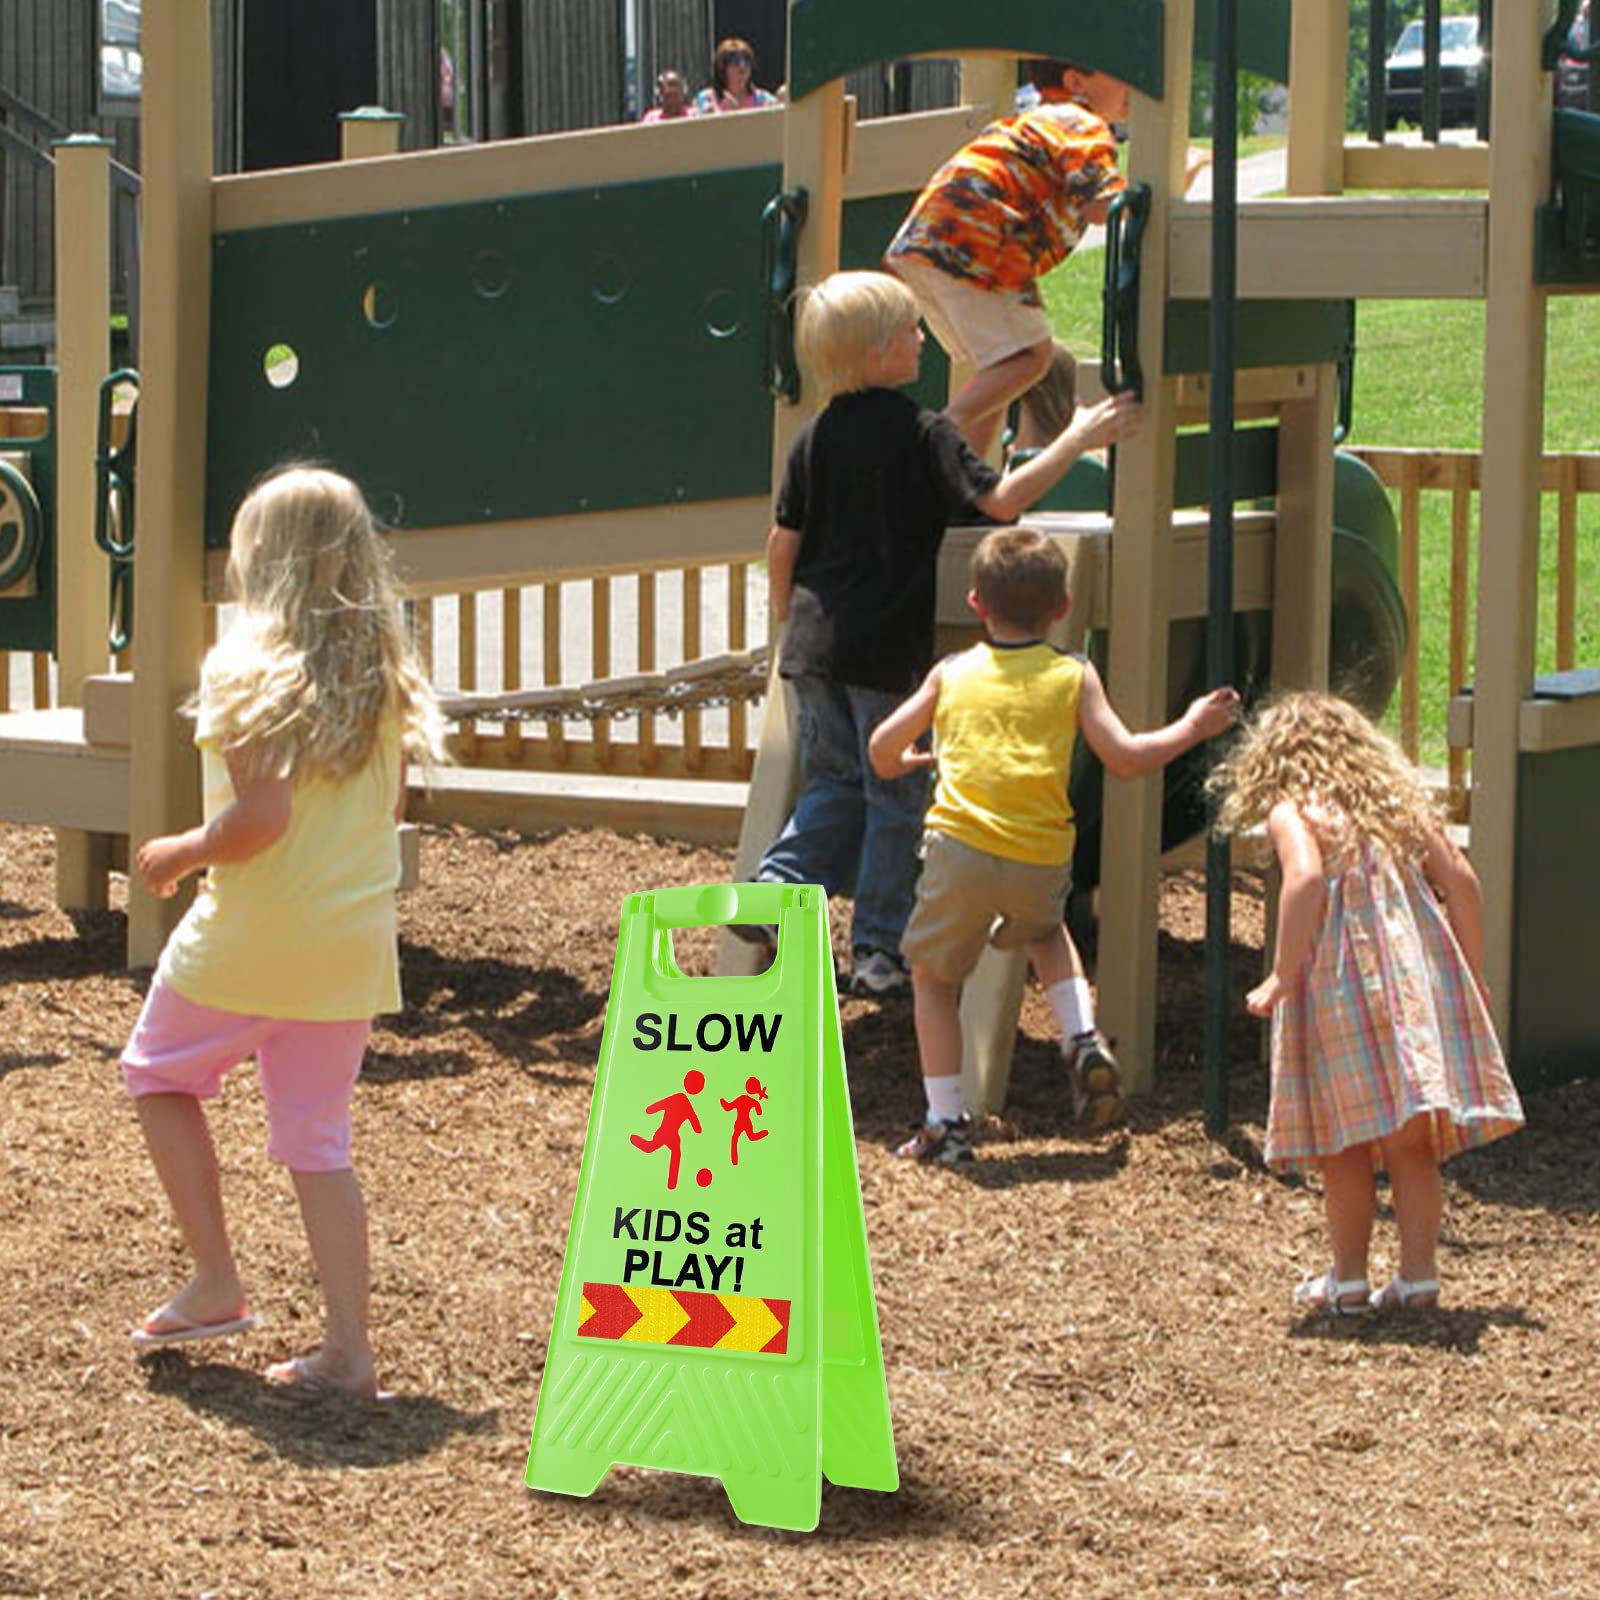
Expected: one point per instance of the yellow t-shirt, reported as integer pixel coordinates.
(1003, 732)
(305, 929)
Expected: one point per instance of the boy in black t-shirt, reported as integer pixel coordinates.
(870, 486)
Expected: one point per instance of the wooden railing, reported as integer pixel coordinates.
(1411, 474)
(641, 622)
(637, 623)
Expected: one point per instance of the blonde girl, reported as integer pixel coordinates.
(1383, 1052)
(306, 713)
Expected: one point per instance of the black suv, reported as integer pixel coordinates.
(1461, 60)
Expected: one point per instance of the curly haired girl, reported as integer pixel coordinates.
(1383, 1051)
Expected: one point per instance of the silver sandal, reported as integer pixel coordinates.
(1399, 1294)
(1328, 1293)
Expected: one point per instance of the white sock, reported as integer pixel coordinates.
(1074, 1010)
(944, 1098)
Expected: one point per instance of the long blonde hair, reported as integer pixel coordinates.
(1321, 753)
(318, 657)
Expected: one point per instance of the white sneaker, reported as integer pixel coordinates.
(879, 974)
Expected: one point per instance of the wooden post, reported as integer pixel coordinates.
(1513, 435)
(1302, 568)
(369, 131)
(175, 317)
(83, 353)
(816, 141)
(1141, 563)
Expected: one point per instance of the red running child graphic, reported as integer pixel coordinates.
(747, 1105)
(675, 1109)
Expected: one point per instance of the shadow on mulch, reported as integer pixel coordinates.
(1458, 1329)
(849, 1516)
(313, 1430)
(30, 1063)
(1549, 1166)
(534, 1017)
(94, 950)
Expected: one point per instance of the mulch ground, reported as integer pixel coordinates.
(1098, 1385)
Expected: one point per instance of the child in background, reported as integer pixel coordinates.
(998, 850)
(1383, 1051)
(870, 486)
(1004, 210)
(305, 714)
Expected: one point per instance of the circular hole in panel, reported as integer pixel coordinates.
(611, 281)
(491, 274)
(281, 365)
(722, 314)
(380, 305)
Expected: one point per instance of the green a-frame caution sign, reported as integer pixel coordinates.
(716, 1313)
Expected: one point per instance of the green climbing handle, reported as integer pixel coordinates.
(1120, 371)
(21, 526)
(781, 222)
(114, 502)
(1345, 374)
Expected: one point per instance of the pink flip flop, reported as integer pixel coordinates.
(179, 1330)
(298, 1376)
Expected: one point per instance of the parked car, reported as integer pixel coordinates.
(1572, 75)
(1460, 62)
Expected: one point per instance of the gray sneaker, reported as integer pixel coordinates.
(878, 974)
(1094, 1081)
(944, 1144)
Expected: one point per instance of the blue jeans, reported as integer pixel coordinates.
(850, 830)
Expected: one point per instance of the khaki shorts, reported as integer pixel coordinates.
(966, 899)
(978, 326)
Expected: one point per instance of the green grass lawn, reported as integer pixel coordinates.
(1420, 383)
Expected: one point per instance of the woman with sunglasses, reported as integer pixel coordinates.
(733, 67)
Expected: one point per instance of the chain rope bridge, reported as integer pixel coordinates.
(706, 684)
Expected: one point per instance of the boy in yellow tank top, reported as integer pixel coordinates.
(999, 835)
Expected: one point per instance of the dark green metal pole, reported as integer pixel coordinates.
(1219, 633)
(1432, 24)
(1377, 53)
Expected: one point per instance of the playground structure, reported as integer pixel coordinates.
(325, 309)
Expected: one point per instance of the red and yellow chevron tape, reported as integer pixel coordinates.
(685, 1318)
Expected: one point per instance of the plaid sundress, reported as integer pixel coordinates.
(1387, 1025)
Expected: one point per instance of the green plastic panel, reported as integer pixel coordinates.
(829, 38)
(591, 349)
(1267, 333)
(1567, 231)
(1555, 1024)
(1255, 466)
(30, 623)
(866, 230)
(1264, 28)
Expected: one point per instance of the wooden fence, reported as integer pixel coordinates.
(1411, 474)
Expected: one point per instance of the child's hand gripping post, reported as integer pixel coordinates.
(1107, 423)
(1213, 713)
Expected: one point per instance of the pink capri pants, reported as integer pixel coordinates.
(308, 1070)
